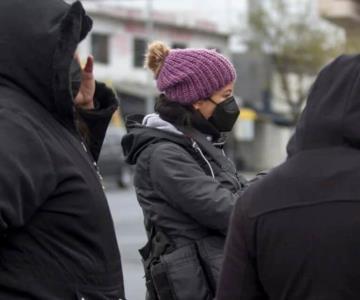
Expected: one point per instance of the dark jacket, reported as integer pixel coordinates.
(294, 235)
(181, 189)
(57, 238)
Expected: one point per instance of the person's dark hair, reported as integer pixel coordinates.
(174, 112)
(82, 128)
(181, 115)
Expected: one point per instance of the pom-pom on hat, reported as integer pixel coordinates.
(188, 75)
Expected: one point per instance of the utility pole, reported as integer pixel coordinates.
(150, 101)
(229, 15)
(254, 5)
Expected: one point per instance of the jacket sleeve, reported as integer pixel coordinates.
(181, 181)
(239, 279)
(27, 175)
(97, 120)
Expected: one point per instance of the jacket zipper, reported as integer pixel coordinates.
(97, 170)
(95, 165)
(198, 149)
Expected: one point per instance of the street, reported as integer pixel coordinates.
(131, 236)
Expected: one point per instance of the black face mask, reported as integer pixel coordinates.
(225, 114)
(75, 77)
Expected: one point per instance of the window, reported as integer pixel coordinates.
(178, 45)
(218, 50)
(139, 52)
(100, 47)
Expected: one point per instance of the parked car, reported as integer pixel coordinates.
(111, 161)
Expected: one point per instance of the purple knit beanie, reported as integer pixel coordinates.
(188, 75)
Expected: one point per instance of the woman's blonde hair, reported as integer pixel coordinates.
(155, 56)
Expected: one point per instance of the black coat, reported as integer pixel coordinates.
(177, 192)
(294, 235)
(57, 237)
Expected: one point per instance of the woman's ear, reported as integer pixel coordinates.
(198, 104)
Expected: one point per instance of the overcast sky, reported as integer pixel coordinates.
(227, 13)
(224, 12)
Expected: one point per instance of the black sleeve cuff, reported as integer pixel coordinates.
(105, 103)
(98, 119)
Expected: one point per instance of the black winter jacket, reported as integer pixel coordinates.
(57, 238)
(182, 190)
(294, 235)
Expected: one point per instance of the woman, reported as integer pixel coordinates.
(57, 238)
(185, 185)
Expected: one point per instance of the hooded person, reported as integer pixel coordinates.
(294, 234)
(184, 183)
(57, 238)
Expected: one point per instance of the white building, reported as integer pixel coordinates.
(345, 13)
(118, 42)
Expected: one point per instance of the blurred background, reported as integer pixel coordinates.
(277, 47)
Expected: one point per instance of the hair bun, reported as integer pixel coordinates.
(155, 56)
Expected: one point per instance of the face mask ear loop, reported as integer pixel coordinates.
(212, 101)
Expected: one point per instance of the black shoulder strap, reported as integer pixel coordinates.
(158, 243)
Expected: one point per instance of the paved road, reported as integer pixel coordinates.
(131, 236)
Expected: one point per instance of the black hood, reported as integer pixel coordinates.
(38, 39)
(332, 114)
(323, 163)
(140, 137)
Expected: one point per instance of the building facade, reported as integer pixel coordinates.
(344, 13)
(119, 41)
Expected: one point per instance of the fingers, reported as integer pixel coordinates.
(89, 67)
